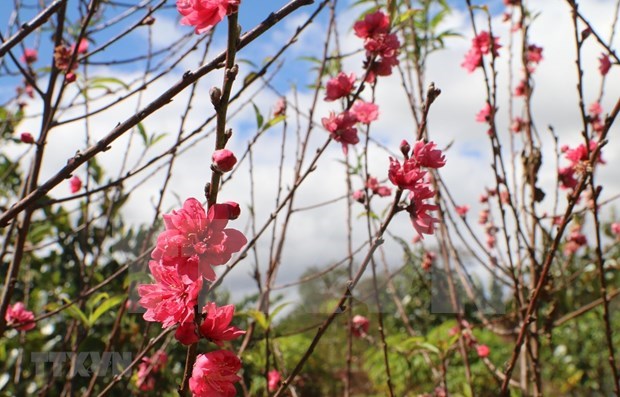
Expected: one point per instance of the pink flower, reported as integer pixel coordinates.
(517, 125)
(62, 58)
(373, 184)
(224, 160)
(406, 176)
(427, 156)
(366, 112)
(372, 25)
(383, 191)
(383, 45)
(171, 299)
(280, 107)
(17, 314)
(194, 241)
(232, 210)
(75, 184)
(484, 115)
(359, 326)
(483, 351)
(580, 154)
(473, 60)
(82, 46)
(380, 67)
(462, 210)
(604, 64)
(427, 261)
(26, 137)
(30, 56)
(483, 216)
(70, 77)
(149, 366)
(480, 45)
(339, 86)
(595, 109)
(359, 196)
(521, 88)
(205, 14)
(534, 54)
(491, 241)
(418, 209)
(216, 325)
(615, 228)
(566, 177)
(273, 380)
(484, 41)
(186, 333)
(215, 374)
(341, 128)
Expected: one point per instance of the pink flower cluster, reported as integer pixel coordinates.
(17, 316)
(578, 158)
(193, 242)
(382, 47)
(205, 14)
(381, 55)
(482, 44)
(410, 176)
(342, 126)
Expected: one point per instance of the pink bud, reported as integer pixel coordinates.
(75, 184)
(70, 77)
(30, 55)
(405, 148)
(360, 326)
(233, 210)
(224, 160)
(483, 351)
(26, 137)
(359, 196)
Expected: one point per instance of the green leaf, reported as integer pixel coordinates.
(104, 81)
(103, 308)
(142, 131)
(93, 301)
(259, 317)
(259, 116)
(156, 138)
(75, 312)
(273, 122)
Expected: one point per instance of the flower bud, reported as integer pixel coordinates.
(26, 137)
(359, 196)
(234, 210)
(70, 77)
(405, 148)
(224, 160)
